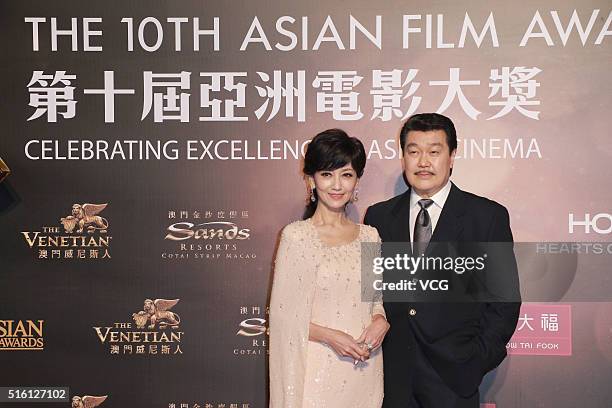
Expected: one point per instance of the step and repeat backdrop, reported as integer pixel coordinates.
(151, 154)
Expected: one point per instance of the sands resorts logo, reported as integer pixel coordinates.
(252, 332)
(208, 235)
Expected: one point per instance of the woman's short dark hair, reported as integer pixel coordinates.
(330, 150)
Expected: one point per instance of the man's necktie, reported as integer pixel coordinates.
(422, 228)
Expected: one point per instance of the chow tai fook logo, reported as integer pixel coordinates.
(252, 332)
(81, 235)
(154, 330)
(208, 235)
(542, 329)
(87, 401)
(21, 335)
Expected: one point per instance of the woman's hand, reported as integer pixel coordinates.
(346, 346)
(374, 334)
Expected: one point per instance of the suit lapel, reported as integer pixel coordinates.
(448, 228)
(400, 222)
(450, 225)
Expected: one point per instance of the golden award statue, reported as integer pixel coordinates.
(4, 170)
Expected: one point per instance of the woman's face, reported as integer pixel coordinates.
(335, 187)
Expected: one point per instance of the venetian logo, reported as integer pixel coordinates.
(157, 312)
(85, 216)
(154, 330)
(81, 235)
(87, 401)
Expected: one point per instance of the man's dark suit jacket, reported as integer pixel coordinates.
(463, 341)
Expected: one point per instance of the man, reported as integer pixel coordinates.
(436, 354)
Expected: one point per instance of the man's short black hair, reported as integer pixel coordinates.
(425, 122)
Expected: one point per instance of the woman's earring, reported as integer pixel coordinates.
(355, 197)
(312, 196)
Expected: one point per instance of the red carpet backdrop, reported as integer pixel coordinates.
(152, 155)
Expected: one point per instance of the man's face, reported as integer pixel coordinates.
(427, 161)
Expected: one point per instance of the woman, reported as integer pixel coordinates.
(325, 329)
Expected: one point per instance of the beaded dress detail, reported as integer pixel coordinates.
(319, 283)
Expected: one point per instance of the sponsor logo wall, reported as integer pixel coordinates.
(150, 155)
